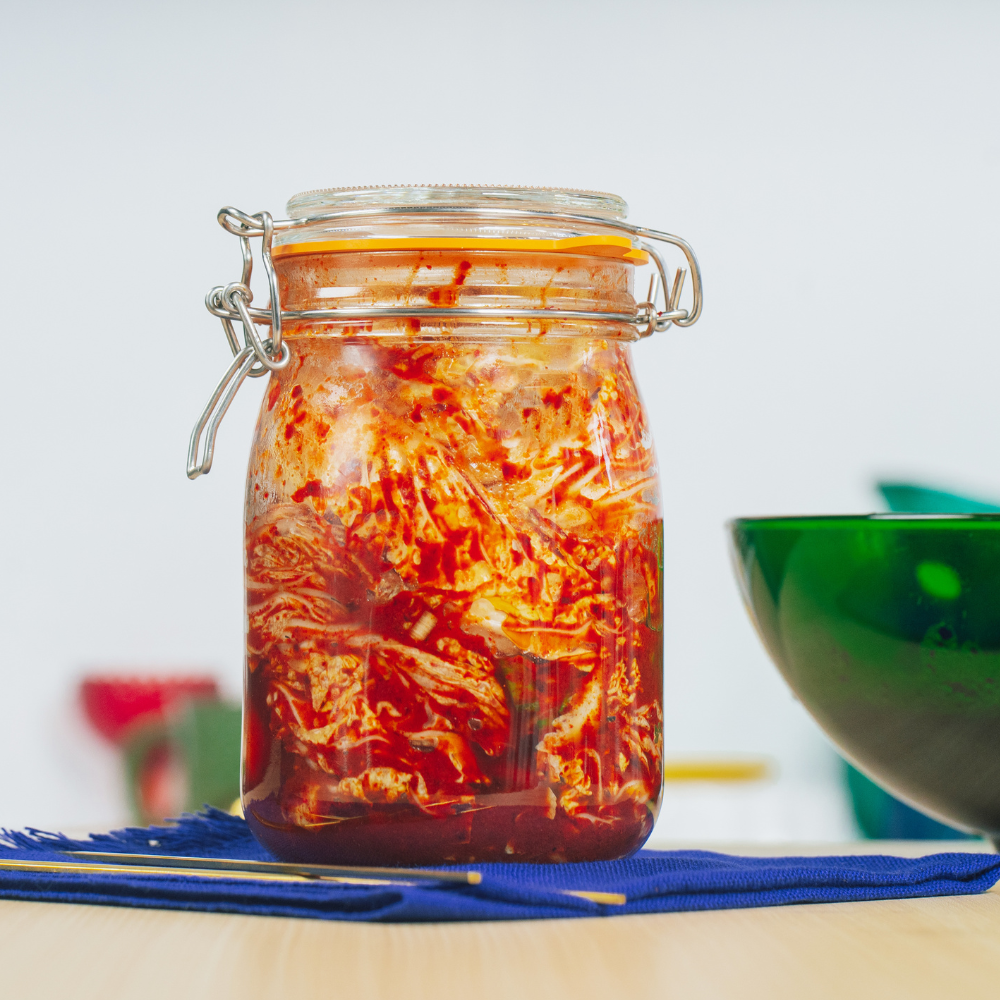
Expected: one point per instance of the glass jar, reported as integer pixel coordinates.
(454, 548)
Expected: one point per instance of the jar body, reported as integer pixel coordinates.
(454, 597)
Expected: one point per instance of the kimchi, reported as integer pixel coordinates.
(453, 577)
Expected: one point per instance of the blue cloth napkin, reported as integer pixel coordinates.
(652, 881)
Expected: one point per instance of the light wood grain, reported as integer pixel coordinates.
(941, 948)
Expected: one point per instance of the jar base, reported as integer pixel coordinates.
(408, 837)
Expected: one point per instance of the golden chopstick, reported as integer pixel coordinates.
(608, 898)
(98, 868)
(338, 872)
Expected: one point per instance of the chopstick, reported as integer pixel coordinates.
(329, 872)
(107, 863)
(70, 867)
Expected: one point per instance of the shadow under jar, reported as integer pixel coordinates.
(453, 547)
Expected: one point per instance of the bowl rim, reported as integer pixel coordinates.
(879, 521)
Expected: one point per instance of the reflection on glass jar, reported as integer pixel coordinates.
(453, 550)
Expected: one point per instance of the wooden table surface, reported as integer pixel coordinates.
(915, 948)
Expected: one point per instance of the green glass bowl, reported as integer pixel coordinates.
(887, 628)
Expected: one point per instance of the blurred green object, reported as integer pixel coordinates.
(882, 816)
(905, 498)
(189, 760)
(887, 627)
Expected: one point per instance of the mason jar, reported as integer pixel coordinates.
(453, 531)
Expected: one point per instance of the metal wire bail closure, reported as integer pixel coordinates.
(259, 355)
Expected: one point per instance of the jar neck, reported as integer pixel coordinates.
(444, 279)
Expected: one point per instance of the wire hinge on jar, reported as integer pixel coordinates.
(259, 354)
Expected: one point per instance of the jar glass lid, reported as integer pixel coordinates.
(556, 201)
(458, 217)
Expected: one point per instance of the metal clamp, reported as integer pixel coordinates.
(257, 356)
(260, 355)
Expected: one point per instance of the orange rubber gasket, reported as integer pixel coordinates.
(619, 247)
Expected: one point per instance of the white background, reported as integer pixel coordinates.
(835, 166)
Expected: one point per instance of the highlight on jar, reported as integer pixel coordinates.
(453, 532)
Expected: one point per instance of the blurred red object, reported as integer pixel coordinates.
(114, 704)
